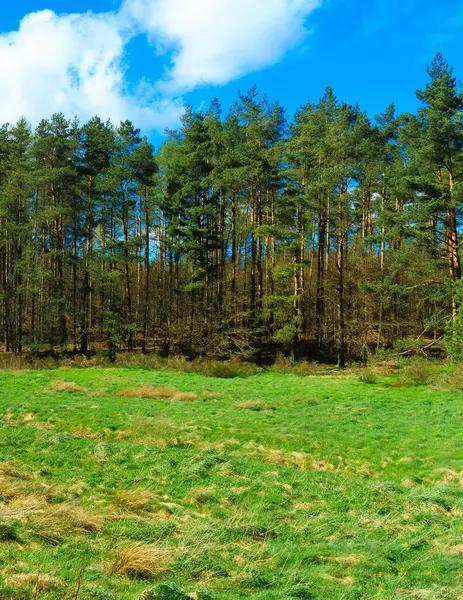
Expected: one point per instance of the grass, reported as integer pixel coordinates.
(140, 561)
(268, 486)
(158, 393)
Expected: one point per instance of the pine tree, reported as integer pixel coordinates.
(435, 143)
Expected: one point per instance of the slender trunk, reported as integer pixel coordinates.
(128, 291)
(147, 271)
(86, 284)
(320, 303)
(453, 246)
(341, 300)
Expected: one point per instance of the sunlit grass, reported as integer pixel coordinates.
(268, 485)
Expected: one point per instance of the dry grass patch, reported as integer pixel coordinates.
(43, 425)
(254, 405)
(447, 476)
(309, 400)
(141, 561)
(348, 560)
(296, 460)
(203, 495)
(9, 469)
(51, 521)
(14, 489)
(134, 500)
(310, 505)
(29, 420)
(148, 431)
(185, 396)
(20, 508)
(150, 392)
(68, 386)
(347, 581)
(387, 524)
(455, 550)
(53, 524)
(42, 584)
(7, 490)
(86, 433)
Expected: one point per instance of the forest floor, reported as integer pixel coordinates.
(124, 483)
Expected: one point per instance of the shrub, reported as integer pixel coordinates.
(419, 372)
(305, 369)
(13, 362)
(369, 377)
(226, 370)
(281, 363)
(452, 380)
(383, 355)
(457, 380)
(284, 364)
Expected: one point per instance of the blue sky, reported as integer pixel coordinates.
(150, 57)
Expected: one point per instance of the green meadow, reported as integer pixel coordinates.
(125, 483)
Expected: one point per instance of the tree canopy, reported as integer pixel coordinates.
(326, 233)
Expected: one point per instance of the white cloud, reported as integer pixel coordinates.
(216, 41)
(75, 63)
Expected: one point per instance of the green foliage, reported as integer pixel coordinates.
(419, 372)
(168, 591)
(226, 369)
(9, 532)
(286, 335)
(368, 377)
(326, 231)
(99, 593)
(14, 593)
(454, 332)
(451, 380)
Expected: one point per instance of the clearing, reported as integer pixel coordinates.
(123, 483)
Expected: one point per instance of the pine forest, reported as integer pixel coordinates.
(327, 234)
